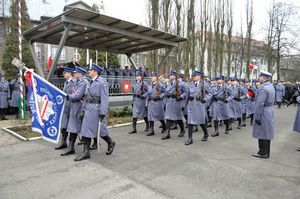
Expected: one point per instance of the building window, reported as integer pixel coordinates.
(53, 52)
(76, 54)
(38, 52)
(62, 54)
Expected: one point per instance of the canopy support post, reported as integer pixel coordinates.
(62, 42)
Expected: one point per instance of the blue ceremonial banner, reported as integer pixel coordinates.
(46, 105)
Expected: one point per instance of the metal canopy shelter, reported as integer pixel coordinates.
(87, 29)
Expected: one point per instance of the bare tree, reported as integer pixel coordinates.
(166, 12)
(242, 45)
(153, 22)
(270, 53)
(3, 4)
(210, 49)
(178, 7)
(217, 22)
(222, 27)
(280, 34)
(203, 37)
(190, 51)
(249, 19)
(229, 35)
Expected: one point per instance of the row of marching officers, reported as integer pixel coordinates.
(85, 111)
(201, 103)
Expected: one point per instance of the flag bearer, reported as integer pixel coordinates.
(68, 88)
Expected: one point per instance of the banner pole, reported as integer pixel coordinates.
(21, 108)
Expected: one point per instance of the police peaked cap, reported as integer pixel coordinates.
(197, 73)
(96, 68)
(80, 70)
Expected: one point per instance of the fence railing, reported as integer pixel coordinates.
(119, 86)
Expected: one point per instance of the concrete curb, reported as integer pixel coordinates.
(40, 137)
(19, 136)
(124, 124)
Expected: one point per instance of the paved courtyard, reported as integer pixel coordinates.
(146, 167)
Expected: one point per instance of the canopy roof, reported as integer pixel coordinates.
(91, 30)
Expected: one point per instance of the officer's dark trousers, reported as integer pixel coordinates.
(264, 147)
(251, 118)
(2, 113)
(216, 124)
(279, 104)
(227, 123)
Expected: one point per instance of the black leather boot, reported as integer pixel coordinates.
(173, 126)
(17, 113)
(263, 149)
(71, 149)
(151, 130)
(204, 129)
(190, 134)
(147, 124)
(134, 121)
(182, 130)
(195, 128)
(164, 126)
(227, 123)
(240, 123)
(94, 146)
(166, 134)
(216, 132)
(209, 122)
(251, 119)
(244, 120)
(63, 141)
(3, 114)
(110, 144)
(86, 150)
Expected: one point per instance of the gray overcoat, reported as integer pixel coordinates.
(96, 103)
(264, 112)
(156, 107)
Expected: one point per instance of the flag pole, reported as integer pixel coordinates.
(20, 57)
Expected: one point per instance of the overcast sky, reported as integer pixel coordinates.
(136, 11)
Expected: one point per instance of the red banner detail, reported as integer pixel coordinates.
(50, 62)
(126, 86)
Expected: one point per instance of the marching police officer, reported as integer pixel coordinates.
(75, 101)
(238, 94)
(155, 104)
(139, 109)
(95, 107)
(185, 101)
(210, 102)
(250, 100)
(221, 95)
(263, 127)
(176, 92)
(15, 94)
(4, 95)
(68, 88)
(279, 93)
(199, 94)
